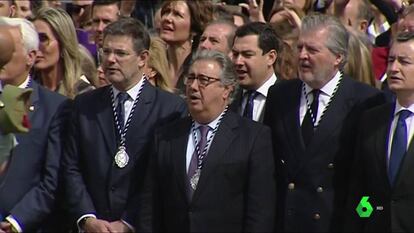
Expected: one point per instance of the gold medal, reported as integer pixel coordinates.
(121, 157)
(194, 179)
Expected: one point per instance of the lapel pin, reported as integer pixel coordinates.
(1, 104)
(31, 108)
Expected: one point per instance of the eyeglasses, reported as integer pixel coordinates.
(44, 39)
(76, 9)
(119, 53)
(203, 80)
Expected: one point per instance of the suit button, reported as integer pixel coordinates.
(331, 166)
(291, 186)
(316, 216)
(282, 161)
(319, 189)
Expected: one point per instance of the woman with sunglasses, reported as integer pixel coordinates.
(58, 64)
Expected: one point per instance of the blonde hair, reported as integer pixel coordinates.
(158, 61)
(65, 33)
(359, 64)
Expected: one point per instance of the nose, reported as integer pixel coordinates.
(238, 59)
(393, 66)
(101, 26)
(303, 53)
(205, 44)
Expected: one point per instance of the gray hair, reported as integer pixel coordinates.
(29, 35)
(232, 32)
(337, 41)
(228, 76)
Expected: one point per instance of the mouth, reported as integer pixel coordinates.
(241, 73)
(394, 78)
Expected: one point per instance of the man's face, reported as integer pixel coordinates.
(122, 66)
(206, 101)
(400, 69)
(252, 66)
(102, 16)
(17, 68)
(23, 9)
(6, 8)
(317, 64)
(215, 38)
(406, 24)
(349, 16)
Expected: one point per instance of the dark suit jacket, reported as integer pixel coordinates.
(28, 188)
(312, 181)
(370, 178)
(236, 190)
(94, 183)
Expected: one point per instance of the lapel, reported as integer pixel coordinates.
(381, 142)
(334, 116)
(220, 144)
(34, 101)
(178, 147)
(141, 113)
(105, 116)
(291, 119)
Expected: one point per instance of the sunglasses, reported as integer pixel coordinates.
(75, 9)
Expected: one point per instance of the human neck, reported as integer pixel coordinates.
(405, 99)
(16, 81)
(176, 54)
(51, 77)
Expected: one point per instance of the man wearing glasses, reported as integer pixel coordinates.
(105, 160)
(214, 170)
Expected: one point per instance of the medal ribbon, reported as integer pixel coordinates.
(123, 132)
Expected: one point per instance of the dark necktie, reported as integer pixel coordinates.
(120, 109)
(248, 110)
(399, 145)
(308, 122)
(194, 158)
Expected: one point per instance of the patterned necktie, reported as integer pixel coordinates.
(399, 145)
(194, 158)
(308, 122)
(248, 110)
(120, 109)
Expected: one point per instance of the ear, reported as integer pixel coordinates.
(271, 57)
(152, 73)
(227, 91)
(31, 58)
(12, 11)
(363, 25)
(143, 59)
(338, 60)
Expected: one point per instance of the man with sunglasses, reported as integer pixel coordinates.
(106, 156)
(254, 54)
(214, 170)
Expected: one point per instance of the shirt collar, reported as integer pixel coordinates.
(398, 108)
(132, 92)
(212, 124)
(22, 85)
(265, 86)
(329, 88)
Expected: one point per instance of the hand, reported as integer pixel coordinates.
(93, 225)
(255, 10)
(119, 226)
(5, 227)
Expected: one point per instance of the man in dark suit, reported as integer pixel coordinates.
(105, 160)
(214, 170)
(313, 119)
(255, 49)
(383, 167)
(28, 187)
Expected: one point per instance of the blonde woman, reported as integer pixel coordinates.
(58, 64)
(157, 69)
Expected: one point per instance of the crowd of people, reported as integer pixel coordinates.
(209, 116)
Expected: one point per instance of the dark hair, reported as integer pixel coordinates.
(106, 3)
(221, 13)
(268, 38)
(133, 28)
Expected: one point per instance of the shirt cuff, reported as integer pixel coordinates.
(128, 225)
(15, 225)
(82, 217)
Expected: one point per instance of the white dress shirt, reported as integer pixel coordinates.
(132, 96)
(260, 100)
(326, 94)
(191, 143)
(408, 122)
